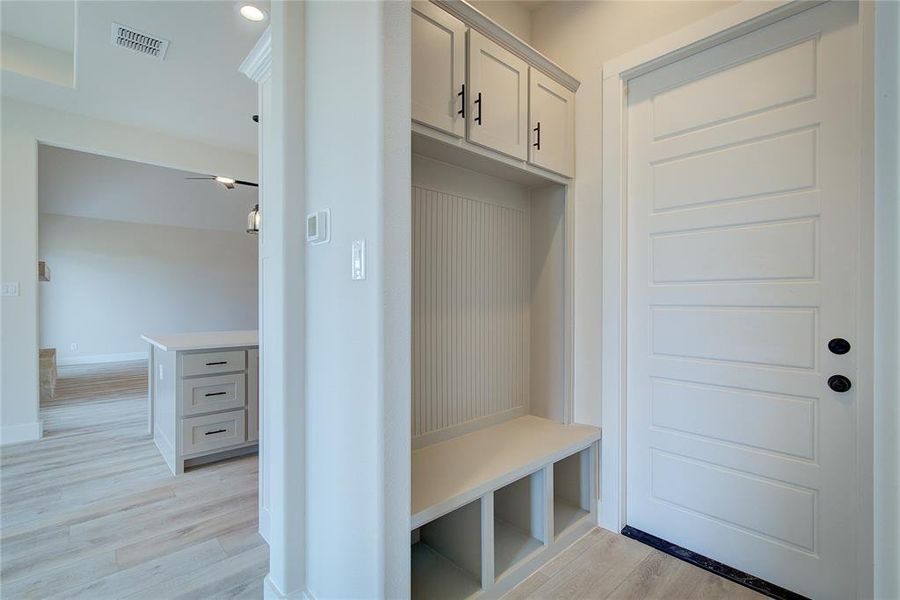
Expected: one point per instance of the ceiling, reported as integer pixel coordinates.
(196, 92)
(86, 185)
(50, 23)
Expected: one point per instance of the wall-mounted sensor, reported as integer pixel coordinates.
(318, 227)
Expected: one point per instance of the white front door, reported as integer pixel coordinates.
(743, 235)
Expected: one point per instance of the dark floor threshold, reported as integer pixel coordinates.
(713, 566)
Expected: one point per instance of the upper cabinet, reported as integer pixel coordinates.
(498, 97)
(438, 69)
(552, 122)
(480, 84)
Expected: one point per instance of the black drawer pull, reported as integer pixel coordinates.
(216, 431)
(215, 394)
(221, 362)
(537, 130)
(462, 105)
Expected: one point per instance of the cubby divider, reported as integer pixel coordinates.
(572, 490)
(520, 521)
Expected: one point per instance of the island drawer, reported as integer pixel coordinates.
(209, 432)
(215, 393)
(208, 363)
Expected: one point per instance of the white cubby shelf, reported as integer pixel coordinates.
(492, 506)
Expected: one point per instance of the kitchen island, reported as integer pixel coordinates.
(203, 395)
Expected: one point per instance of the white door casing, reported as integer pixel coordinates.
(438, 68)
(497, 97)
(743, 219)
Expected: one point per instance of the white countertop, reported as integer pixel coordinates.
(203, 340)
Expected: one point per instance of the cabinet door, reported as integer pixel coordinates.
(498, 97)
(438, 68)
(552, 120)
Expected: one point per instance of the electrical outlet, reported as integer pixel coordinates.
(73, 347)
(160, 372)
(10, 288)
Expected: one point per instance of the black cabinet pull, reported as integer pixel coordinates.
(537, 130)
(478, 102)
(221, 362)
(216, 394)
(216, 431)
(462, 104)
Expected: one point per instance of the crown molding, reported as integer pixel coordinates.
(258, 64)
(480, 22)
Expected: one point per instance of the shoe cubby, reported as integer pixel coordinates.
(446, 556)
(520, 521)
(572, 490)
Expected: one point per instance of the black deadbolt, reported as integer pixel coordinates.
(839, 346)
(839, 383)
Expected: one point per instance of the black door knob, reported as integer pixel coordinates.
(839, 346)
(839, 383)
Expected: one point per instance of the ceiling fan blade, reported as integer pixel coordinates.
(248, 183)
(200, 177)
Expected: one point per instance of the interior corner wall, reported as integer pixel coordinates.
(23, 127)
(580, 37)
(113, 281)
(513, 16)
(357, 404)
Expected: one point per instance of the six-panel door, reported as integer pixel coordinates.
(497, 97)
(552, 119)
(438, 69)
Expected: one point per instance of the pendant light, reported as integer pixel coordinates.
(253, 220)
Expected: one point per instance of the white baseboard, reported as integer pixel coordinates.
(26, 432)
(271, 592)
(100, 358)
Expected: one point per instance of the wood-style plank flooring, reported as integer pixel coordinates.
(603, 564)
(92, 511)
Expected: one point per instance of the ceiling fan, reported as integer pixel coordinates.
(228, 182)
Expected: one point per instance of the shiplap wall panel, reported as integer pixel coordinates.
(471, 318)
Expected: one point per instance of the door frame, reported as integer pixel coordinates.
(712, 31)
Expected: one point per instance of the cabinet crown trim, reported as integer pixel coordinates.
(480, 22)
(258, 64)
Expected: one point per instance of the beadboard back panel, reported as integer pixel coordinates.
(471, 285)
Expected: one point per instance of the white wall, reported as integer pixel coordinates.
(512, 16)
(357, 332)
(23, 126)
(887, 303)
(112, 281)
(581, 36)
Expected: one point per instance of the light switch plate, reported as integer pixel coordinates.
(10, 288)
(358, 260)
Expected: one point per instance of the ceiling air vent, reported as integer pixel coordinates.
(138, 41)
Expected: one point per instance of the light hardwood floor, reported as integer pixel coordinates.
(603, 564)
(91, 511)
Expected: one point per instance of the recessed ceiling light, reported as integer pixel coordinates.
(225, 180)
(252, 13)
